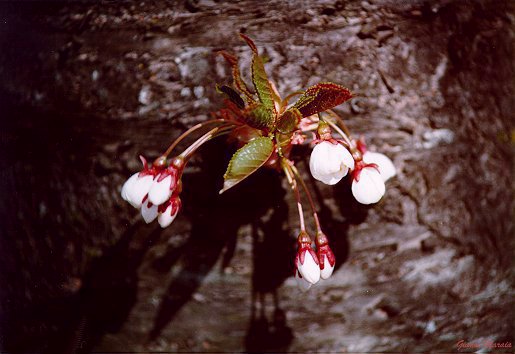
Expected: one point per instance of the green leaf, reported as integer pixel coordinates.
(289, 120)
(321, 97)
(259, 77)
(247, 160)
(260, 117)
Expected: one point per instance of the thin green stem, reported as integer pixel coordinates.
(189, 131)
(345, 137)
(213, 133)
(340, 121)
(293, 183)
(310, 198)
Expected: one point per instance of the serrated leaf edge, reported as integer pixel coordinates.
(227, 185)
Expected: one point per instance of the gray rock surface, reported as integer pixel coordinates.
(85, 88)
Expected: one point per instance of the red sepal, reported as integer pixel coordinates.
(323, 249)
(301, 255)
(361, 145)
(326, 251)
(170, 171)
(176, 203)
(147, 171)
(359, 166)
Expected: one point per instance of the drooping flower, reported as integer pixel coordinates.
(330, 162)
(168, 211)
(306, 260)
(163, 186)
(137, 186)
(383, 162)
(367, 184)
(325, 255)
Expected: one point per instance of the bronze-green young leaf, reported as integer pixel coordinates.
(259, 77)
(321, 97)
(247, 160)
(260, 117)
(289, 120)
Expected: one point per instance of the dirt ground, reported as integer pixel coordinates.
(86, 87)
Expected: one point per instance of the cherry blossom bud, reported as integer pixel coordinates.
(168, 211)
(368, 185)
(167, 181)
(329, 162)
(325, 255)
(139, 189)
(128, 186)
(383, 162)
(302, 283)
(306, 260)
(149, 211)
(138, 185)
(162, 187)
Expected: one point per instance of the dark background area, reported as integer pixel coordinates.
(87, 87)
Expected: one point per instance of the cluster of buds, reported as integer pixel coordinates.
(332, 159)
(155, 190)
(311, 266)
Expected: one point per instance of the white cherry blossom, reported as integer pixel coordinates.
(329, 162)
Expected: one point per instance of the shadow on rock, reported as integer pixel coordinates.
(216, 220)
(259, 201)
(273, 252)
(109, 290)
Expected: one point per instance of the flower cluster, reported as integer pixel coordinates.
(311, 266)
(266, 128)
(155, 190)
(331, 160)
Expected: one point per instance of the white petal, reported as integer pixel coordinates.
(345, 156)
(139, 189)
(160, 191)
(310, 271)
(149, 214)
(329, 163)
(328, 269)
(128, 185)
(165, 219)
(301, 282)
(370, 188)
(386, 166)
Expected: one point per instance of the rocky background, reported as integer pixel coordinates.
(87, 87)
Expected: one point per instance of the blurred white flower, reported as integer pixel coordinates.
(383, 162)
